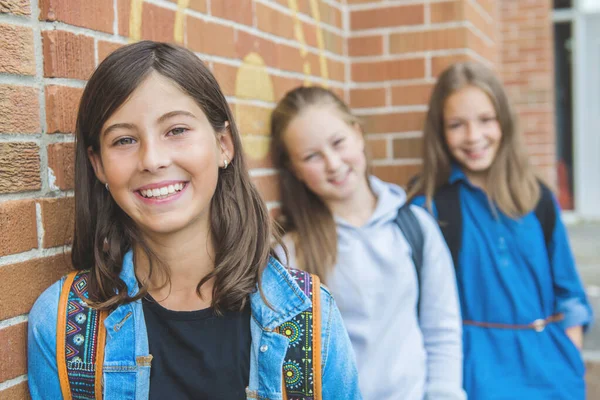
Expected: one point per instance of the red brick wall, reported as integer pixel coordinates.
(396, 51)
(527, 67)
(380, 56)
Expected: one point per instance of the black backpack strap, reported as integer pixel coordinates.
(449, 215)
(546, 214)
(411, 228)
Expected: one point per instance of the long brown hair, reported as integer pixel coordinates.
(304, 215)
(511, 182)
(239, 220)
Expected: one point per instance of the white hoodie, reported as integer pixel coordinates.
(399, 355)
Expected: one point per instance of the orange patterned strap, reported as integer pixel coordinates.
(316, 302)
(61, 330)
(80, 341)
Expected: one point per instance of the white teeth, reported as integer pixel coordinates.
(163, 191)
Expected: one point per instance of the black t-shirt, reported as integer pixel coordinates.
(196, 354)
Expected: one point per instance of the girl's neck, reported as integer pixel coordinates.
(358, 208)
(185, 258)
(478, 179)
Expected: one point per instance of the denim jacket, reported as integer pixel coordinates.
(126, 365)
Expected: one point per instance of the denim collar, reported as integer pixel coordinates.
(281, 292)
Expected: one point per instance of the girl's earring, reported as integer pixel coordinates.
(225, 163)
(106, 185)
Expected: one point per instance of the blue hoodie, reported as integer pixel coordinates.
(399, 355)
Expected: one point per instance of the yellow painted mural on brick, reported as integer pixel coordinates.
(253, 81)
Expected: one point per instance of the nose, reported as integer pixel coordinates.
(332, 160)
(473, 131)
(154, 156)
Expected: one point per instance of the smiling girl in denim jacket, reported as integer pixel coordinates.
(177, 241)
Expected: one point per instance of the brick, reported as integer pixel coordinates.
(365, 46)
(210, 38)
(23, 282)
(408, 95)
(233, 10)
(252, 120)
(398, 174)
(123, 11)
(303, 6)
(408, 148)
(61, 161)
(16, 50)
(247, 43)
(17, 7)
(13, 351)
(226, 76)
(58, 220)
(274, 22)
(397, 122)
(158, 23)
(268, 186)
(67, 55)
(413, 68)
(490, 6)
(330, 15)
(20, 109)
(441, 39)
(282, 85)
(289, 58)
(16, 392)
(198, 5)
(309, 32)
(105, 48)
(473, 15)
(62, 103)
(19, 229)
(333, 42)
(377, 149)
(337, 70)
(97, 15)
(20, 166)
(387, 17)
(448, 11)
(258, 151)
(440, 63)
(366, 98)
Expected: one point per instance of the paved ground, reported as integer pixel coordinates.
(585, 241)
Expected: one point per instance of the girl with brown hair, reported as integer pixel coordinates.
(522, 302)
(177, 293)
(397, 296)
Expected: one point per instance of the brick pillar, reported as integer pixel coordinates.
(396, 52)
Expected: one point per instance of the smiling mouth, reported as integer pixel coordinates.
(340, 179)
(162, 192)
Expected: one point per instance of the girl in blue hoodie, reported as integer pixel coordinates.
(341, 224)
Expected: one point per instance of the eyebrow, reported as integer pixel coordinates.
(175, 113)
(163, 118)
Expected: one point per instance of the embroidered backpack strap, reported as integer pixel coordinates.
(302, 363)
(80, 340)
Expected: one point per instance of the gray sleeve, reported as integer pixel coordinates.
(439, 315)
